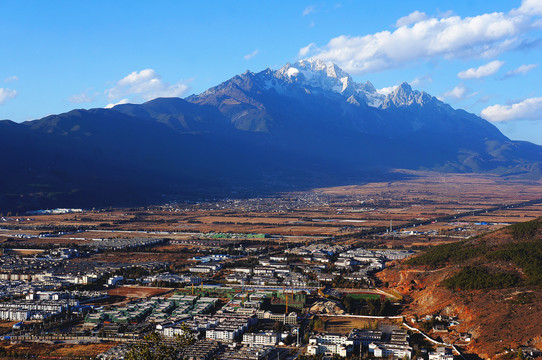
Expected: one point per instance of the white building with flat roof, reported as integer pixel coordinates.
(387, 349)
(261, 339)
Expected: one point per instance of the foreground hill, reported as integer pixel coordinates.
(491, 283)
(304, 125)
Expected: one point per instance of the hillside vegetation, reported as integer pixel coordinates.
(484, 265)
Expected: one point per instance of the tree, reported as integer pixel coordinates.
(151, 348)
(186, 338)
(278, 326)
(154, 348)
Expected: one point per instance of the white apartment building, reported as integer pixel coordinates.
(261, 339)
(330, 343)
(387, 349)
(221, 335)
(442, 353)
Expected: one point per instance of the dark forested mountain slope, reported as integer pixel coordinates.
(306, 124)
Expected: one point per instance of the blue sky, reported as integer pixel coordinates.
(482, 56)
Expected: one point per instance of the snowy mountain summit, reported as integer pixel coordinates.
(316, 75)
(313, 76)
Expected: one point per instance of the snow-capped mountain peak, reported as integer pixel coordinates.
(313, 76)
(403, 95)
(316, 75)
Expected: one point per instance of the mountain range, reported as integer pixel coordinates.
(306, 124)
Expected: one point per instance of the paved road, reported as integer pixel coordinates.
(37, 338)
(300, 352)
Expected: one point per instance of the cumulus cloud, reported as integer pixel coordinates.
(251, 55)
(304, 51)
(411, 18)
(7, 94)
(145, 84)
(528, 109)
(123, 101)
(529, 7)
(485, 35)
(522, 70)
(459, 93)
(482, 71)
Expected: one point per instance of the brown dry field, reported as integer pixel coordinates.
(345, 209)
(343, 325)
(138, 257)
(52, 351)
(138, 291)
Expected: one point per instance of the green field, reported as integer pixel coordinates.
(366, 296)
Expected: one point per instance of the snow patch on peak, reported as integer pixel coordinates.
(292, 72)
(404, 87)
(387, 90)
(344, 81)
(352, 100)
(369, 87)
(403, 95)
(317, 74)
(313, 64)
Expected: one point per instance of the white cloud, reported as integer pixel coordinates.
(304, 51)
(11, 79)
(309, 10)
(80, 98)
(251, 55)
(482, 71)
(7, 94)
(459, 93)
(411, 18)
(145, 84)
(528, 109)
(522, 70)
(426, 79)
(123, 101)
(387, 90)
(529, 7)
(482, 36)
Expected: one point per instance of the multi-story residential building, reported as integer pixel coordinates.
(442, 353)
(382, 349)
(290, 319)
(224, 335)
(365, 336)
(261, 339)
(330, 343)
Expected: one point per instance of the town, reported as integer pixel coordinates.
(295, 276)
